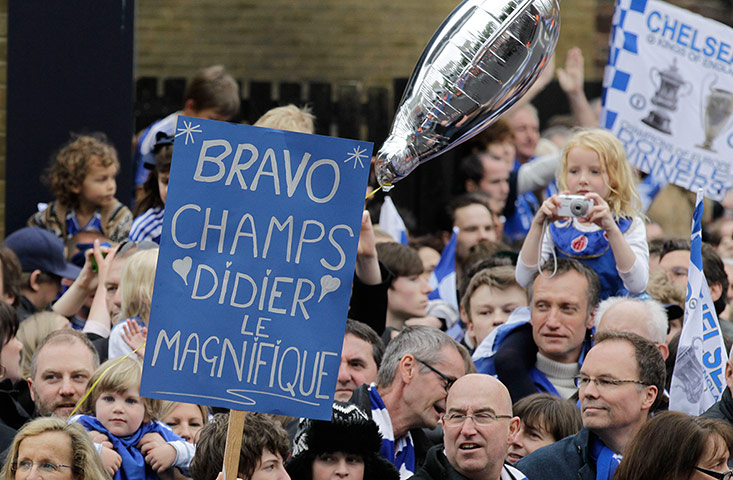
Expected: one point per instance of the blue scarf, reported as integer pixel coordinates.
(404, 457)
(133, 462)
(606, 460)
(542, 382)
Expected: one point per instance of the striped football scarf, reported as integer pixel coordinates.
(401, 453)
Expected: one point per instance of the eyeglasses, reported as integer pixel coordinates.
(720, 476)
(449, 381)
(480, 419)
(44, 467)
(602, 383)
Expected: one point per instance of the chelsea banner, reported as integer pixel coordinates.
(668, 94)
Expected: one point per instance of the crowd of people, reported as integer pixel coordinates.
(534, 337)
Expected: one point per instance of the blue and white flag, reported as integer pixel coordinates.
(391, 222)
(698, 379)
(443, 278)
(648, 190)
(668, 94)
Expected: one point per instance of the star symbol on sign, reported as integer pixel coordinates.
(356, 156)
(188, 131)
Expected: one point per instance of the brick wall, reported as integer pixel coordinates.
(336, 41)
(371, 42)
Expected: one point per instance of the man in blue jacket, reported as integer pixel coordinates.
(620, 383)
(541, 348)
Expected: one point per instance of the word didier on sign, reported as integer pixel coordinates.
(246, 155)
(260, 363)
(299, 291)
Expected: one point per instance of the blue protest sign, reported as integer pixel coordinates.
(255, 268)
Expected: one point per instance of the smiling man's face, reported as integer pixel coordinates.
(63, 370)
(425, 392)
(614, 409)
(478, 451)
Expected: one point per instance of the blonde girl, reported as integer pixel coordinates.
(136, 284)
(611, 237)
(135, 445)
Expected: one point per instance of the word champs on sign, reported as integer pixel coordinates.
(255, 268)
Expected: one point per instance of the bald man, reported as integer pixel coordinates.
(477, 428)
(646, 318)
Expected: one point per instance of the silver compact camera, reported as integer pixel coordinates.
(574, 206)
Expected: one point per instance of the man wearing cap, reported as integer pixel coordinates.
(41, 256)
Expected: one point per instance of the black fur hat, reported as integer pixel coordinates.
(349, 431)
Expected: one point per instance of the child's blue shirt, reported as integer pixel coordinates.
(148, 226)
(589, 244)
(593, 249)
(133, 461)
(73, 227)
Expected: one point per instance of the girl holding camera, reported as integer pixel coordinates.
(597, 219)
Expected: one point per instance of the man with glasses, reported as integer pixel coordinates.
(619, 384)
(419, 366)
(477, 427)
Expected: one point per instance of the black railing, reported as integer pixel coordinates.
(346, 110)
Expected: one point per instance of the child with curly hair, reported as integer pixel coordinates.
(82, 178)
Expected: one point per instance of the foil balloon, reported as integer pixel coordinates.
(484, 56)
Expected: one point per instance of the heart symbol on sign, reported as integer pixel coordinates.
(328, 284)
(182, 266)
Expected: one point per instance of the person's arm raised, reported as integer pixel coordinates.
(99, 321)
(84, 285)
(571, 80)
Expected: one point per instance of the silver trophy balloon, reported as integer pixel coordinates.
(484, 56)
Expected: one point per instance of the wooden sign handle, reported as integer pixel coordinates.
(234, 444)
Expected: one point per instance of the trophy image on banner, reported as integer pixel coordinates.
(484, 56)
(670, 88)
(717, 109)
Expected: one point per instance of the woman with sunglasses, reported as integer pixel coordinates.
(676, 446)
